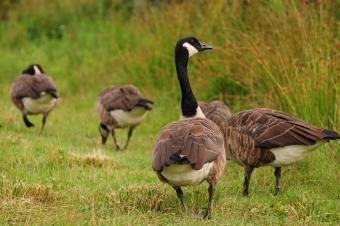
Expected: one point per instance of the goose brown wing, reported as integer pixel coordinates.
(241, 149)
(216, 111)
(32, 86)
(120, 97)
(270, 128)
(196, 140)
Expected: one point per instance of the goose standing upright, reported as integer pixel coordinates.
(33, 92)
(120, 107)
(265, 137)
(190, 150)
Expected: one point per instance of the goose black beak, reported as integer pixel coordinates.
(204, 47)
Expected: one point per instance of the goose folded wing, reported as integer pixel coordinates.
(190, 140)
(270, 128)
(44, 83)
(216, 111)
(126, 103)
(205, 108)
(134, 97)
(33, 86)
(241, 148)
(114, 98)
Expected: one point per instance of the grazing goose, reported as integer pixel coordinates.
(216, 111)
(120, 107)
(33, 92)
(190, 150)
(265, 137)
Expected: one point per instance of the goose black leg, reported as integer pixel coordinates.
(104, 132)
(247, 175)
(28, 123)
(104, 139)
(277, 174)
(129, 136)
(114, 138)
(179, 193)
(211, 191)
(43, 124)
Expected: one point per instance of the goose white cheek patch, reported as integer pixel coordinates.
(36, 70)
(192, 50)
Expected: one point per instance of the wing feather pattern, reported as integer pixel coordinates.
(249, 135)
(32, 86)
(198, 140)
(122, 97)
(270, 128)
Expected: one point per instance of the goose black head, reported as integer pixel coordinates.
(192, 45)
(33, 69)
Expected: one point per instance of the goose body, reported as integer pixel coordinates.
(265, 137)
(121, 107)
(190, 150)
(33, 92)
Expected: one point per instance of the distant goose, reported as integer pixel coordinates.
(34, 92)
(265, 137)
(189, 151)
(216, 111)
(120, 107)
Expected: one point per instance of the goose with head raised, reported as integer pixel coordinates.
(191, 150)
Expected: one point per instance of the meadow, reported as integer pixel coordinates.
(283, 55)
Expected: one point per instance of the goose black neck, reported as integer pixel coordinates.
(189, 103)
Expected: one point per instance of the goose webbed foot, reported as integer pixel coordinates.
(27, 122)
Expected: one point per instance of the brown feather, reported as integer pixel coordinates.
(250, 135)
(117, 97)
(31, 86)
(216, 111)
(270, 128)
(241, 149)
(125, 98)
(198, 139)
(34, 86)
(120, 97)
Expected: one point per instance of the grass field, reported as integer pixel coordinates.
(272, 54)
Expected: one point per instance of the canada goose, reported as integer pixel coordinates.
(120, 107)
(34, 92)
(265, 137)
(216, 111)
(190, 150)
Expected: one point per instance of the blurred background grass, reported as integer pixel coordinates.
(282, 55)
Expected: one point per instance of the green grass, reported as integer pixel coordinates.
(266, 54)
